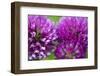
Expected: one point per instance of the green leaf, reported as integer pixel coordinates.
(54, 18)
(50, 57)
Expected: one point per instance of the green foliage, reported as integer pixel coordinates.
(50, 57)
(54, 18)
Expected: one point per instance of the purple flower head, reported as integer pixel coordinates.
(41, 37)
(73, 37)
